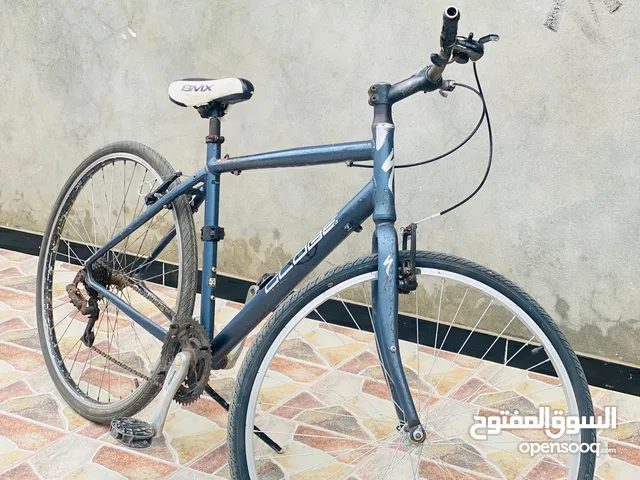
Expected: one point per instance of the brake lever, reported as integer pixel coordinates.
(466, 48)
(492, 37)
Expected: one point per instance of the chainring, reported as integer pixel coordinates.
(188, 335)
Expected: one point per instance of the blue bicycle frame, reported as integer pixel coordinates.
(376, 198)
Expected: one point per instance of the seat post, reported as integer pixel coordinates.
(211, 231)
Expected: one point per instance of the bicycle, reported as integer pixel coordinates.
(348, 377)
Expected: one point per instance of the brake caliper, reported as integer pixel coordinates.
(408, 281)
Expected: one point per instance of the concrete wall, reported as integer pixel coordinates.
(560, 214)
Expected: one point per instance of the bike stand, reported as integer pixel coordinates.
(256, 431)
(138, 433)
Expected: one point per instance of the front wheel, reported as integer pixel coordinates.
(472, 344)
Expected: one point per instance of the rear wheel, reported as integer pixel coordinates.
(113, 375)
(472, 344)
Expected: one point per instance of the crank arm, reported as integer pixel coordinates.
(172, 382)
(140, 434)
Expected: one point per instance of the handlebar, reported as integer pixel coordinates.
(450, 19)
(428, 79)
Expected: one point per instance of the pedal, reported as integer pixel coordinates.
(132, 432)
(139, 434)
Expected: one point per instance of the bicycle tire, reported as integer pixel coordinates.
(187, 282)
(238, 417)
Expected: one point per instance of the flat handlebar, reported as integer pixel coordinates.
(428, 79)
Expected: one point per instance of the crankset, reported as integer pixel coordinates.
(189, 336)
(185, 368)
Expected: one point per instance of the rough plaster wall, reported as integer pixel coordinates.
(559, 215)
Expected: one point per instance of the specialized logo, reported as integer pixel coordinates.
(196, 88)
(388, 263)
(301, 255)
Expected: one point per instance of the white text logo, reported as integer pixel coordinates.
(555, 426)
(298, 257)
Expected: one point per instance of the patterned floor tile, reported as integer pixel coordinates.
(547, 469)
(210, 409)
(16, 299)
(189, 474)
(10, 453)
(9, 272)
(18, 438)
(192, 446)
(8, 374)
(21, 472)
(20, 358)
(15, 323)
(23, 283)
(94, 430)
(212, 461)
(134, 467)
(625, 453)
(91, 471)
(40, 381)
(42, 437)
(616, 470)
(27, 435)
(69, 454)
(41, 408)
(17, 389)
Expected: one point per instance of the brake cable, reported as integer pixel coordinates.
(485, 114)
(490, 133)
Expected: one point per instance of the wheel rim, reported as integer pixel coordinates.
(120, 337)
(304, 428)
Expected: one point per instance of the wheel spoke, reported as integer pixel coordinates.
(102, 190)
(354, 356)
(460, 350)
(333, 337)
(471, 372)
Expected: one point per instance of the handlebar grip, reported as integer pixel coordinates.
(450, 20)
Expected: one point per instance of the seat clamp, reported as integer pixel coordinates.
(214, 139)
(212, 233)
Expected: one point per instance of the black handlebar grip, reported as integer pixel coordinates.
(449, 27)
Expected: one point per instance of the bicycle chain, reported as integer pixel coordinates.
(125, 367)
(117, 362)
(156, 302)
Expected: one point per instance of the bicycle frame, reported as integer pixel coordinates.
(376, 198)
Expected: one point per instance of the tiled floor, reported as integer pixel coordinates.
(41, 437)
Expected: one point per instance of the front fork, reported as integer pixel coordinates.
(384, 292)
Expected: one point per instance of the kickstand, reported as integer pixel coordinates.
(259, 433)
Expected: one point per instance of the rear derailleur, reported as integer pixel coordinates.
(103, 275)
